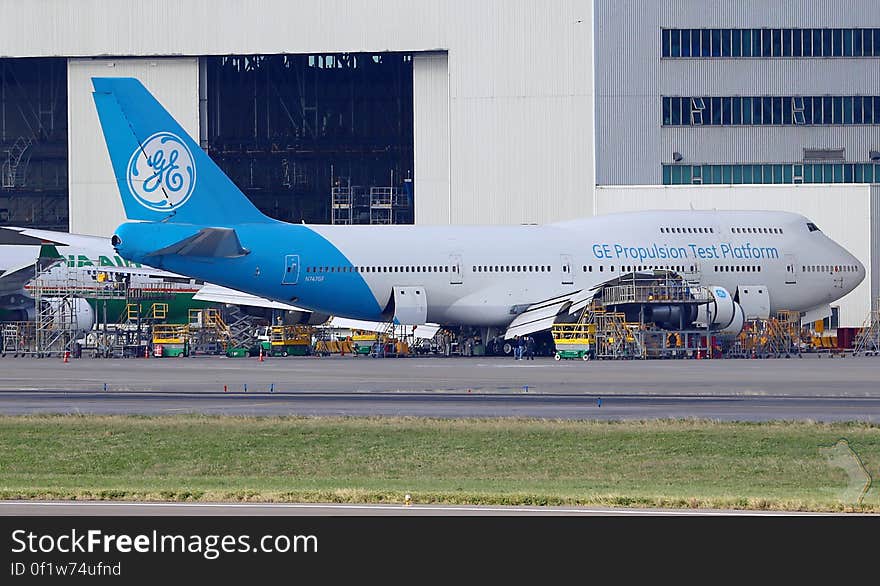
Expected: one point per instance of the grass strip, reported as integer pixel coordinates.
(681, 463)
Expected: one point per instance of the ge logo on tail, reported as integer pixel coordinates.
(162, 173)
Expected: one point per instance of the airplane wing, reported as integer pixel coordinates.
(19, 256)
(14, 278)
(541, 315)
(424, 331)
(36, 237)
(217, 294)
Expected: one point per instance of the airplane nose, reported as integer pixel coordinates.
(860, 272)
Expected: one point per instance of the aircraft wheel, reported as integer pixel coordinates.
(507, 349)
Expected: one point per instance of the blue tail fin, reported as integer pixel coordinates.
(161, 171)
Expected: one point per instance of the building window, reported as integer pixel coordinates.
(770, 110)
(769, 43)
(784, 173)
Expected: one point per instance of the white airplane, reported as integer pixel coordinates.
(186, 216)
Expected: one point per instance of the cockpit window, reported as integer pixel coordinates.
(813, 227)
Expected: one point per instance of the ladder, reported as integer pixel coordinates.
(868, 339)
(55, 308)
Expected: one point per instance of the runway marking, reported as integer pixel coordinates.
(461, 508)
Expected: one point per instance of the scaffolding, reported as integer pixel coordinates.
(18, 337)
(208, 331)
(781, 335)
(615, 337)
(342, 205)
(374, 205)
(54, 290)
(382, 204)
(614, 325)
(601, 334)
(868, 339)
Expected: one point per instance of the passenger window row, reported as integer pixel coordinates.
(737, 268)
(511, 268)
(756, 230)
(687, 230)
(829, 268)
(636, 268)
(381, 269)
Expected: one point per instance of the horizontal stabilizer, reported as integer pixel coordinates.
(207, 243)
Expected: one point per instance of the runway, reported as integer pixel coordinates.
(822, 389)
(447, 405)
(107, 508)
(852, 377)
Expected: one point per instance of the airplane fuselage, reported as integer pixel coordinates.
(485, 275)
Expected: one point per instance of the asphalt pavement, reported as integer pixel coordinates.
(826, 389)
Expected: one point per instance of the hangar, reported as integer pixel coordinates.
(483, 112)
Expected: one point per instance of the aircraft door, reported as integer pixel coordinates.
(410, 305)
(791, 269)
(291, 269)
(567, 269)
(455, 269)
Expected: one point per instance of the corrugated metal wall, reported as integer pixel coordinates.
(219, 27)
(521, 112)
(519, 80)
(631, 78)
(765, 144)
(95, 207)
(766, 13)
(431, 137)
(849, 214)
(627, 48)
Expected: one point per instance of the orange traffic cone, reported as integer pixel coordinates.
(261, 353)
(66, 357)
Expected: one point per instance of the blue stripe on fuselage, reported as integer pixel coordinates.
(261, 272)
